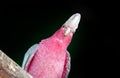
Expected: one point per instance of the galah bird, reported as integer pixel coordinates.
(50, 58)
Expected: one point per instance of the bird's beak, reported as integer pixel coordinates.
(72, 23)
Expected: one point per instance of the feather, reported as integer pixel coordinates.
(29, 55)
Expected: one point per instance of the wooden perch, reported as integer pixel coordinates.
(10, 69)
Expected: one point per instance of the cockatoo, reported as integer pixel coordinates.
(50, 58)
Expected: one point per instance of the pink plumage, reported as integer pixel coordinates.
(51, 59)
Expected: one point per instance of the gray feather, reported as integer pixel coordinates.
(29, 55)
(68, 65)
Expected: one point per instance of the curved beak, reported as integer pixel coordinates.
(72, 23)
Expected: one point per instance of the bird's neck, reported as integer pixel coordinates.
(58, 41)
(62, 38)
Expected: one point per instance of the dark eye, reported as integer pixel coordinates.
(63, 26)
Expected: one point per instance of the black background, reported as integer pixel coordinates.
(93, 48)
